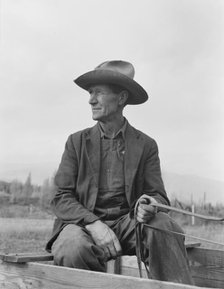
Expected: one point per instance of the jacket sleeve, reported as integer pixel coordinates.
(65, 203)
(153, 183)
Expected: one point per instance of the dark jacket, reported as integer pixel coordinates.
(78, 176)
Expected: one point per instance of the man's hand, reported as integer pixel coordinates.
(145, 212)
(104, 237)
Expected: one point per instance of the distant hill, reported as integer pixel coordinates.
(183, 186)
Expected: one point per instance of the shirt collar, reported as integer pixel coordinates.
(121, 130)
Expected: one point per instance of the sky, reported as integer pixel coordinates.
(176, 47)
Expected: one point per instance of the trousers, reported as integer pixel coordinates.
(164, 253)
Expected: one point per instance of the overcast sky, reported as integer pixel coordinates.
(176, 47)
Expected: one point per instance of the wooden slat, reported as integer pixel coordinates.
(207, 267)
(207, 256)
(42, 276)
(189, 245)
(208, 276)
(114, 266)
(26, 257)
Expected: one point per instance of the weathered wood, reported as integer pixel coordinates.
(114, 266)
(129, 267)
(189, 245)
(26, 257)
(208, 276)
(207, 267)
(207, 256)
(42, 276)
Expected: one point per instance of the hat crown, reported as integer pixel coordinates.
(117, 72)
(123, 67)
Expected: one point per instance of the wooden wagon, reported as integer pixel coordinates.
(26, 271)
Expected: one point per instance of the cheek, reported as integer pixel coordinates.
(108, 106)
(110, 109)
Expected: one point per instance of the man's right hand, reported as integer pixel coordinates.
(104, 237)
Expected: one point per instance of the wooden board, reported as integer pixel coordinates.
(42, 276)
(207, 256)
(26, 257)
(207, 267)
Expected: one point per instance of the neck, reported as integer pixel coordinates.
(112, 127)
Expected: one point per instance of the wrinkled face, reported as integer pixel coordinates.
(104, 102)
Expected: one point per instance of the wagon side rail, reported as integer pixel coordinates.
(41, 276)
(19, 271)
(207, 266)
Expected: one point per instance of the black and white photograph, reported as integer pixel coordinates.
(112, 137)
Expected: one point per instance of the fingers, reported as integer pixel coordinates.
(114, 245)
(117, 246)
(144, 218)
(145, 213)
(146, 208)
(107, 254)
(104, 237)
(145, 199)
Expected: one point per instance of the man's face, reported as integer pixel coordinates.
(104, 103)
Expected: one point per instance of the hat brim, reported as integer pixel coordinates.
(137, 93)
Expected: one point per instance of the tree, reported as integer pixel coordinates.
(27, 189)
(47, 191)
(15, 191)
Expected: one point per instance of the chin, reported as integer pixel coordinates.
(96, 117)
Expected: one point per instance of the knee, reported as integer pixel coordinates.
(69, 247)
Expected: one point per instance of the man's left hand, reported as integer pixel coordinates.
(145, 211)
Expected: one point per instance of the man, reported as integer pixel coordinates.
(103, 172)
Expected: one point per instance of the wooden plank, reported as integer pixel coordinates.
(114, 266)
(26, 257)
(208, 276)
(125, 265)
(42, 276)
(207, 256)
(189, 245)
(207, 267)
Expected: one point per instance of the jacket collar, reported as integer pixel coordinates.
(120, 131)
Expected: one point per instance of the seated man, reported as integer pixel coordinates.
(103, 172)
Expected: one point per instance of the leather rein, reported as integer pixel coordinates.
(139, 226)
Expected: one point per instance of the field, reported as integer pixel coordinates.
(30, 235)
(24, 235)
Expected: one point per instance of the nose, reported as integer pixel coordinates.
(92, 99)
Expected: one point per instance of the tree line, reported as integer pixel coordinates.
(17, 192)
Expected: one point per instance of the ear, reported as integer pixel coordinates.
(123, 96)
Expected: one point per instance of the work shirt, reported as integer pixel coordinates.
(111, 200)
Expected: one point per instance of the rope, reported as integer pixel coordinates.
(138, 230)
(138, 248)
(185, 235)
(169, 208)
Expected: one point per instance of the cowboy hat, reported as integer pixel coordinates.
(116, 72)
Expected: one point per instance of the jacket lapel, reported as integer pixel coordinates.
(133, 152)
(93, 151)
